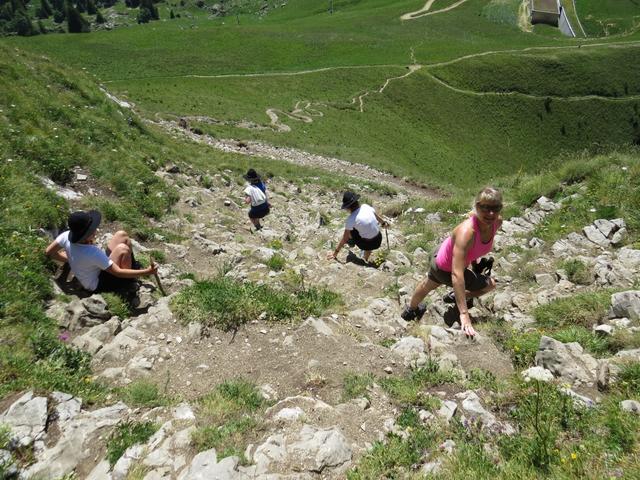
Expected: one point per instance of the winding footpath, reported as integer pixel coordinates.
(426, 10)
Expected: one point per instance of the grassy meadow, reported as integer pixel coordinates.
(605, 18)
(417, 127)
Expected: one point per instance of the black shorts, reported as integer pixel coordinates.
(260, 211)
(472, 281)
(366, 244)
(111, 283)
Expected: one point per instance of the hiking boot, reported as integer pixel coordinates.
(416, 314)
(451, 298)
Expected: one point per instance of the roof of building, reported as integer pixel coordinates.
(550, 6)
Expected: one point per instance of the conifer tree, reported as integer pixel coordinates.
(58, 5)
(99, 18)
(81, 5)
(45, 9)
(91, 7)
(76, 23)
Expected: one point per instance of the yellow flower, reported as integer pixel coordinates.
(516, 348)
(574, 456)
(563, 460)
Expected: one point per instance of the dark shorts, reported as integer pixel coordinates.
(259, 211)
(366, 244)
(111, 283)
(472, 281)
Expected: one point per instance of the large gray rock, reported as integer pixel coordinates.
(27, 417)
(317, 449)
(411, 349)
(96, 307)
(596, 236)
(625, 304)
(474, 410)
(97, 336)
(205, 466)
(631, 406)
(566, 361)
(77, 442)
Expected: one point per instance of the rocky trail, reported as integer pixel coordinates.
(310, 430)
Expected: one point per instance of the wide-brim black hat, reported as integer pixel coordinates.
(251, 175)
(348, 199)
(83, 224)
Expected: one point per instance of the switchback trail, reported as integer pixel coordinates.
(426, 10)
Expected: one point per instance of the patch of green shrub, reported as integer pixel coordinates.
(355, 385)
(276, 263)
(127, 435)
(227, 304)
(584, 309)
(410, 390)
(142, 393)
(228, 418)
(577, 271)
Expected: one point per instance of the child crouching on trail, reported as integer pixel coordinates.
(362, 228)
(256, 196)
(96, 270)
(469, 241)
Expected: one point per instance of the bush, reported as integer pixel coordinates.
(143, 394)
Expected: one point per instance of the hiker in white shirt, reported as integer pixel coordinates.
(256, 196)
(95, 269)
(362, 228)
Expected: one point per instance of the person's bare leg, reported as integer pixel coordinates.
(121, 255)
(422, 290)
(119, 238)
(366, 255)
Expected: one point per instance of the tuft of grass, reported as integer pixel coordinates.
(117, 305)
(276, 263)
(410, 390)
(629, 379)
(142, 393)
(355, 385)
(228, 418)
(577, 271)
(127, 435)
(227, 304)
(584, 309)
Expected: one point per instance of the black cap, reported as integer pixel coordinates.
(83, 224)
(252, 175)
(348, 199)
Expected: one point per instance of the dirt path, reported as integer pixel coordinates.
(426, 10)
(299, 157)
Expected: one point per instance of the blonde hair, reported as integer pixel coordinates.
(489, 195)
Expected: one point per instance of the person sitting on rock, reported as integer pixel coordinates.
(256, 196)
(362, 228)
(469, 241)
(97, 271)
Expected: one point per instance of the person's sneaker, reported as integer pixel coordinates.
(451, 298)
(416, 314)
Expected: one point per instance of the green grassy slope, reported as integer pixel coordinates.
(417, 127)
(608, 72)
(608, 17)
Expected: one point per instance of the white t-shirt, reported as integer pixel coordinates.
(86, 261)
(364, 221)
(256, 195)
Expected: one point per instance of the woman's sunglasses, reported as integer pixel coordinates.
(489, 208)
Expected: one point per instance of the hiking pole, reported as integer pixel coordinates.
(386, 234)
(157, 277)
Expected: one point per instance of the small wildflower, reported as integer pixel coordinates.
(63, 337)
(563, 460)
(574, 456)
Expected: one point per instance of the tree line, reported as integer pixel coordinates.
(26, 18)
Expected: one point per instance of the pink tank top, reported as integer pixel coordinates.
(444, 259)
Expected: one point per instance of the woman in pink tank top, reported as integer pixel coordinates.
(469, 241)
